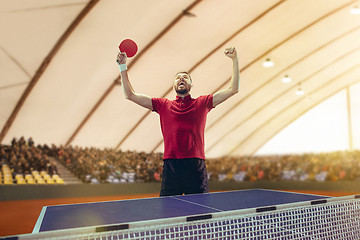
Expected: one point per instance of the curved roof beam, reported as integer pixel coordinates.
(42, 8)
(43, 66)
(17, 63)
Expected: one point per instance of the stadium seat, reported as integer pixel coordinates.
(18, 176)
(49, 181)
(37, 177)
(21, 181)
(60, 181)
(31, 181)
(27, 176)
(55, 176)
(40, 181)
(46, 176)
(8, 181)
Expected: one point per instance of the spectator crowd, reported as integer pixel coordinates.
(93, 165)
(23, 157)
(110, 166)
(334, 166)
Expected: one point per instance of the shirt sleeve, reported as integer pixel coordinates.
(157, 103)
(210, 103)
(207, 101)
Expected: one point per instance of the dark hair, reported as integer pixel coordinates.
(184, 73)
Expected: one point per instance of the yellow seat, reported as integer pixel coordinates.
(27, 176)
(31, 181)
(8, 182)
(59, 181)
(40, 181)
(55, 176)
(37, 177)
(46, 177)
(50, 181)
(21, 181)
(18, 176)
(8, 177)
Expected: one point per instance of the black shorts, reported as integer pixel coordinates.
(184, 176)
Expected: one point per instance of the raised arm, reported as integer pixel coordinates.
(130, 94)
(222, 95)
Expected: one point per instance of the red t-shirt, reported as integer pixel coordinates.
(183, 125)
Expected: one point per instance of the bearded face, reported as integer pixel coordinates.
(182, 83)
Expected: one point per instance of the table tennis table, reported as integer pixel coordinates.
(126, 211)
(244, 214)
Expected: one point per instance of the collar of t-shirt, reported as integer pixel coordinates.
(183, 100)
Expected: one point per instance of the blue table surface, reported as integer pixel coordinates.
(126, 211)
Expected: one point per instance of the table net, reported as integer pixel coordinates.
(337, 218)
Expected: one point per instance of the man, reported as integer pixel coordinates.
(183, 125)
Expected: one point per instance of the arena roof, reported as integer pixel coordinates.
(58, 71)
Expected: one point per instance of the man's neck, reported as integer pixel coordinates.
(183, 95)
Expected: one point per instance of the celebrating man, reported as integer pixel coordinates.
(183, 123)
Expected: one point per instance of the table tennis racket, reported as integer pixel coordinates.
(129, 47)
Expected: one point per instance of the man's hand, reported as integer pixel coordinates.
(121, 58)
(231, 53)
